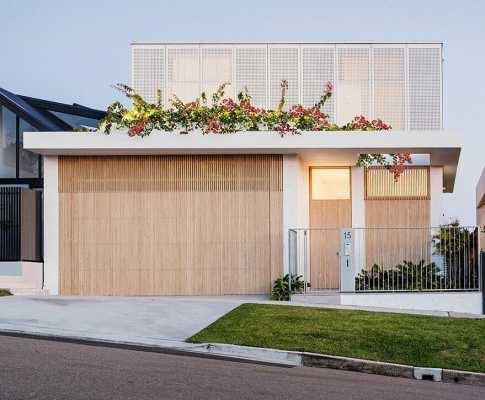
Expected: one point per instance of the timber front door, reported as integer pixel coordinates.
(330, 210)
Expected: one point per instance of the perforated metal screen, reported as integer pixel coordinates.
(399, 83)
(390, 86)
(318, 67)
(425, 88)
(353, 83)
(283, 66)
(251, 73)
(148, 71)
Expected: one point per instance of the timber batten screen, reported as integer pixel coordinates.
(401, 206)
(153, 225)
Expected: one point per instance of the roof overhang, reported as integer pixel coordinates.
(325, 148)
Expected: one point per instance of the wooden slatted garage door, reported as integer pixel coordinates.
(170, 225)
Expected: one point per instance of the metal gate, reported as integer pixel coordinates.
(445, 258)
(20, 224)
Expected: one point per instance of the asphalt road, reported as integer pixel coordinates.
(39, 369)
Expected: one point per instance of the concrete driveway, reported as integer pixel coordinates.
(148, 320)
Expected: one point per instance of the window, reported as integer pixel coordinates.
(330, 183)
(28, 161)
(76, 121)
(8, 147)
(412, 184)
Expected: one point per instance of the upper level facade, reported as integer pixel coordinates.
(400, 83)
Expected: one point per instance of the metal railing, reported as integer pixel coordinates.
(445, 258)
(20, 224)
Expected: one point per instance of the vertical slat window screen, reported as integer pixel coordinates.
(389, 86)
(183, 73)
(250, 73)
(425, 88)
(412, 184)
(216, 66)
(353, 83)
(148, 74)
(318, 65)
(284, 66)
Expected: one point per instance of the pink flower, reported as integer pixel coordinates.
(397, 167)
(284, 84)
(137, 129)
(328, 88)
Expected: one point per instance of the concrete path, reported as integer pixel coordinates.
(147, 320)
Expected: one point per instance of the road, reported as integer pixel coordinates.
(40, 369)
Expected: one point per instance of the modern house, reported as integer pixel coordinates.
(217, 214)
(21, 183)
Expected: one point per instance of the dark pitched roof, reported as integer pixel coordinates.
(37, 112)
(74, 109)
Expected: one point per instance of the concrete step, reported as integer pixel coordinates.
(332, 298)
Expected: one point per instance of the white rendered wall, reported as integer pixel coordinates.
(51, 225)
(303, 194)
(460, 302)
(358, 216)
(295, 199)
(358, 200)
(21, 277)
(436, 194)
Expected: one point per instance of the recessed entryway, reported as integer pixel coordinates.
(330, 210)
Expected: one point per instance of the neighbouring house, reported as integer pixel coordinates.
(480, 191)
(21, 183)
(481, 200)
(218, 214)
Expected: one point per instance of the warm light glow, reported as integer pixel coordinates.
(330, 183)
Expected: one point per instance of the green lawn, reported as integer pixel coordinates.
(452, 343)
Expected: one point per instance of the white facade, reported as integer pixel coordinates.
(398, 83)
(299, 153)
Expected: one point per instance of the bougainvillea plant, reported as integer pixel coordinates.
(225, 115)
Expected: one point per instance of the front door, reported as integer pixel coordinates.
(330, 210)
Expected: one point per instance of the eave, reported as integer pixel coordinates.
(325, 148)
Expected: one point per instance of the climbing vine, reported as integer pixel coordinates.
(224, 115)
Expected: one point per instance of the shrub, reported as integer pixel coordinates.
(405, 276)
(459, 249)
(5, 292)
(281, 289)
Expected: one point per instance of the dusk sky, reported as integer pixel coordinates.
(73, 51)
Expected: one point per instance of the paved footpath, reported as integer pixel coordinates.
(40, 369)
